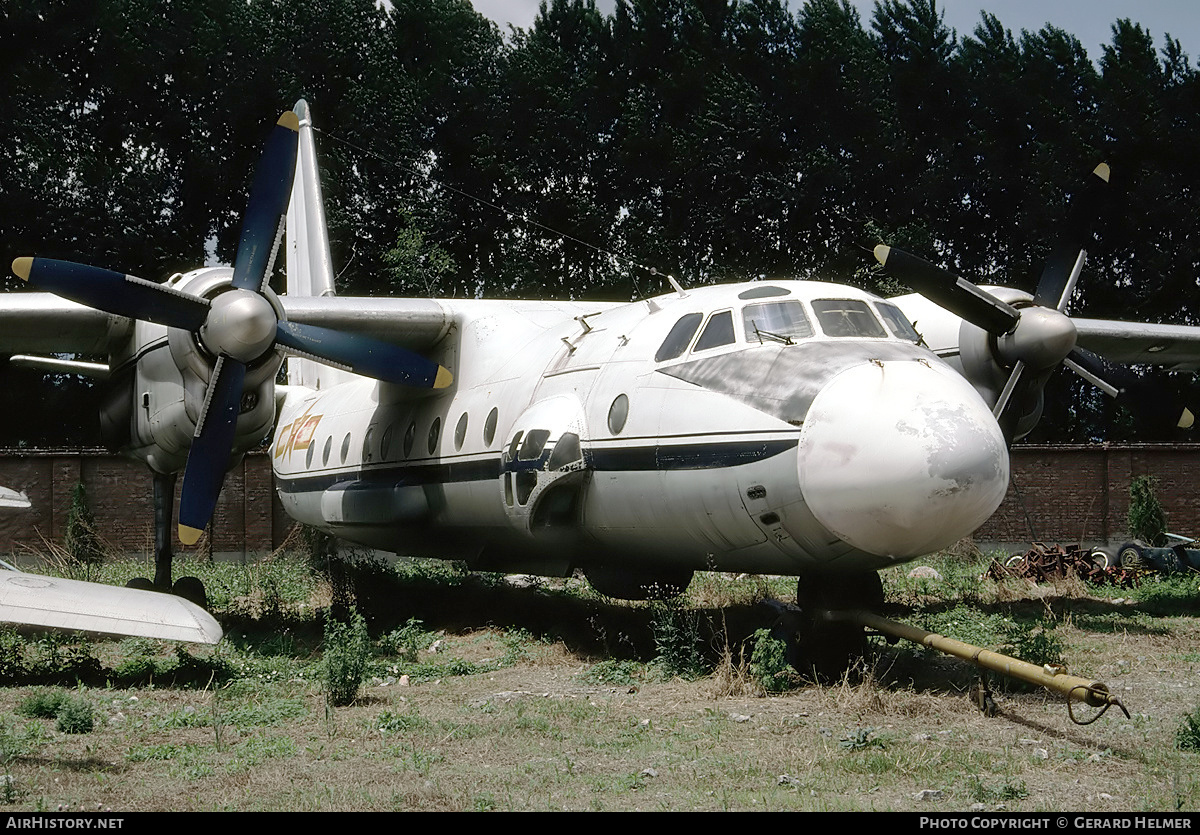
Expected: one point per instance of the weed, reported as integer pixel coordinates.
(861, 739)
(1187, 737)
(1147, 520)
(76, 716)
(406, 641)
(614, 671)
(677, 640)
(42, 704)
(769, 664)
(983, 793)
(347, 646)
(1036, 644)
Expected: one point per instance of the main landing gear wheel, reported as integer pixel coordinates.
(819, 648)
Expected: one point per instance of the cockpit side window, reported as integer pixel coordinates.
(897, 322)
(775, 322)
(679, 337)
(718, 331)
(847, 317)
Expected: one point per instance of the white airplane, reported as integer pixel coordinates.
(783, 427)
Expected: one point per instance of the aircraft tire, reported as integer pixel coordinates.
(825, 651)
(191, 590)
(141, 583)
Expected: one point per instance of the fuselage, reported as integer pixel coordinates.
(775, 427)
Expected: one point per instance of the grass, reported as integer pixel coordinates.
(477, 696)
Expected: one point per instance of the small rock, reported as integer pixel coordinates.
(437, 646)
(787, 780)
(648, 772)
(403, 680)
(924, 572)
(1041, 754)
(928, 794)
(739, 717)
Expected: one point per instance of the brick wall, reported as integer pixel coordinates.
(1058, 494)
(1067, 494)
(248, 519)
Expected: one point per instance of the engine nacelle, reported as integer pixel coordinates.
(987, 372)
(158, 386)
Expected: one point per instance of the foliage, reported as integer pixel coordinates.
(1147, 519)
(678, 641)
(769, 664)
(346, 650)
(710, 140)
(1187, 736)
(614, 671)
(74, 715)
(407, 641)
(81, 541)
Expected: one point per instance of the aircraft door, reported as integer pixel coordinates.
(542, 468)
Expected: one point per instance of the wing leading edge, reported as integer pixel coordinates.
(76, 606)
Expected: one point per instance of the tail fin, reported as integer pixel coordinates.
(309, 263)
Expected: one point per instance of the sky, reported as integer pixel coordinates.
(1089, 20)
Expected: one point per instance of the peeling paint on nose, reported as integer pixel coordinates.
(900, 459)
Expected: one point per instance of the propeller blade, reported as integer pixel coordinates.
(363, 355)
(1069, 252)
(262, 226)
(1152, 401)
(209, 453)
(943, 288)
(124, 295)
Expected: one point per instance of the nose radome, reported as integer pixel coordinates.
(901, 459)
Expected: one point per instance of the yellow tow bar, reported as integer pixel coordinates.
(1052, 677)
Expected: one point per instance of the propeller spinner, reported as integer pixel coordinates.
(237, 327)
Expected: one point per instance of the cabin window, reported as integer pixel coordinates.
(460, 432)
(385, 443)
(367, 441)
(679, 337)
(308, 456)
(847, 317)
(489, 426)
(718, 331)
(618, 413)
(897, 322)
(435, 431)
(775, 322)
(410, 437)
(325, 452)
(345, 447)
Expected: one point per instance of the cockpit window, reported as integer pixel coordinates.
(679, 337)
(847, 317)
(897, 322)
(763, 291)
(718, 331)
(775, 322)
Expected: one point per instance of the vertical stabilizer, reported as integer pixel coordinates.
(309, 263)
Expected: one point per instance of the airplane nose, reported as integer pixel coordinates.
(901, 459)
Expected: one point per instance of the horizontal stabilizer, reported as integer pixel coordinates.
(76, 606)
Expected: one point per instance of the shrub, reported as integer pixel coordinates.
(76, 717)
(1147, 519)
(347, 647)
(1187, 737)
(677, 640)
(769, 664)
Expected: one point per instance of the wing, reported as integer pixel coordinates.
(76, 606)
(1174, 347)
